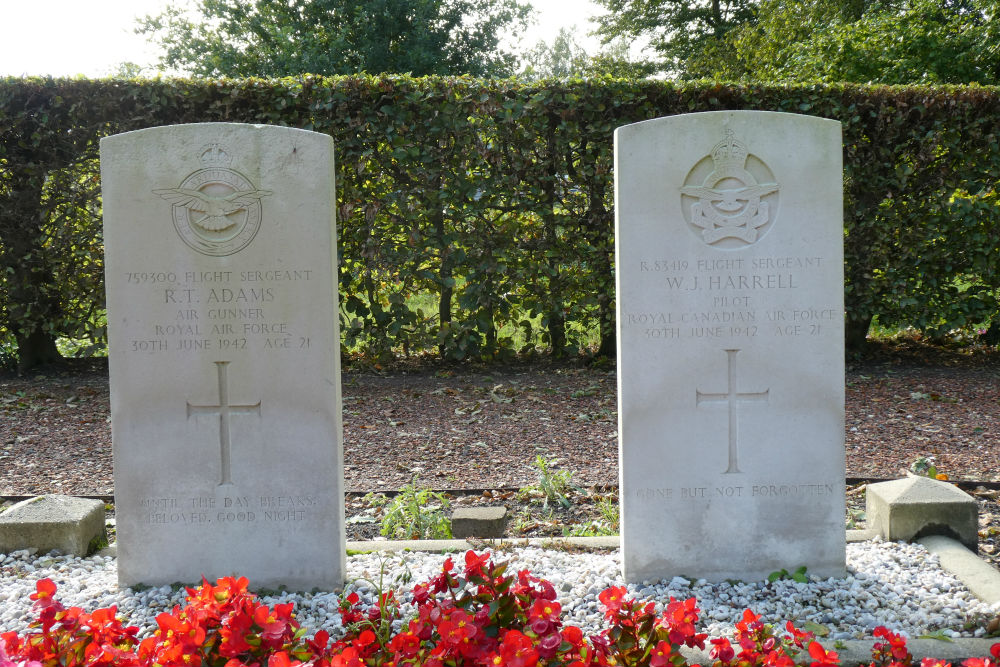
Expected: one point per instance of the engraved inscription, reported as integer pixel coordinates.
(224, 410)
(734, 204)
(220, 311)
(719, 493)
(732, 398)
(726, 298)
(228, 509)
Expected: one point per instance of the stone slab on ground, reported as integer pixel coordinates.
(220, 251)
(569, 543)
(915, 506)
(462, 545)
(730, 294)
(862, 535)
(66, 523)
(978, 576)
(481, 522)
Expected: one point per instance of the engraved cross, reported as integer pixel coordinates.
(225, 411)
(732, 398)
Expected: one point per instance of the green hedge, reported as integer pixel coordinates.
(470, 210)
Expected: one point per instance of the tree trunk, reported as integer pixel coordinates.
(444, 301)
(856, 332)
(598, 219)
(992, 335)
(557, 331)
(36, 349)
(445, 272)
(488, 297)
(717, 20)
(609, 337)
(555, 316)
(33, 296)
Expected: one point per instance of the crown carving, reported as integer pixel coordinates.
(730, 152)
(214, 155)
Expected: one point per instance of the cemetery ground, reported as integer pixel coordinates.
(478, 435)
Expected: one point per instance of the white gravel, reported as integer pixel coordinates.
(900, 586)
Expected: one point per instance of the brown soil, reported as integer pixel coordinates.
(482, 428)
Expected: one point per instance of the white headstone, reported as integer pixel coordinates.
(729, 242)
(224, 354)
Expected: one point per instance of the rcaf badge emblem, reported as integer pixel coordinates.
(216, 209)
(730, 198)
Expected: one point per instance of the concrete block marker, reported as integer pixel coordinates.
(482, 522)
(71, 525)
(909, 508)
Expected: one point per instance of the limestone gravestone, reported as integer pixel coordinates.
(729, 242)
(224, 354)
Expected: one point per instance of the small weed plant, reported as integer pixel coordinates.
(523, 522)
(855, 517)
(416, 513)
(553, 485)
(380, 617)
(925, 466)
(798, 575)
(607, 524)
(608, 507)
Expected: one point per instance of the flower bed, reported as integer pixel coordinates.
(479, 616)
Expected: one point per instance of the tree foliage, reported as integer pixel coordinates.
(884, 41)
(476, 217)
(51, 259)
(241, 38)
(565, 58)
(861, 41)
(683, 33)
(562, 59)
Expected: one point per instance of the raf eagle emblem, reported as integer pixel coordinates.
(214, 211)
(729, 204)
